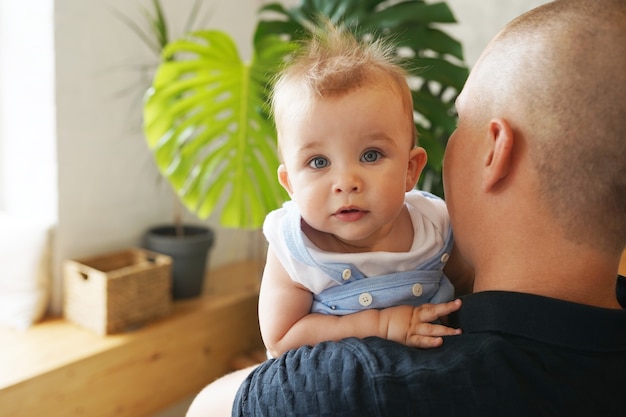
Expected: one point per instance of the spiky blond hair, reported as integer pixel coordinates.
(333, 62)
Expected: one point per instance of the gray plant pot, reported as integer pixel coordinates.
(189, 253)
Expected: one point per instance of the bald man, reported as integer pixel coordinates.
(535, 179)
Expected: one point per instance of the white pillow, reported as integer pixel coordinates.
(24, 271)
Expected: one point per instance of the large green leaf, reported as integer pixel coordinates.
(205, 117)
(206, 122)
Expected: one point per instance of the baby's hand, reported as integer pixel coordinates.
(413, 326)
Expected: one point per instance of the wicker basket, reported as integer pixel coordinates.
(117, 291)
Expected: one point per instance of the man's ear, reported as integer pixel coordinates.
(283, 178)
(417, 162)
(500, 153)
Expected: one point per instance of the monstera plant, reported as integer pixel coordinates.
(206, 117)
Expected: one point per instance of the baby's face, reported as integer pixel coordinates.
(348, 161)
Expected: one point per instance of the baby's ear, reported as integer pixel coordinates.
(283, 178)
(417, 162)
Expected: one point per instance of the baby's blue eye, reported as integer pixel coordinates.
(318, 162)
(371, 156)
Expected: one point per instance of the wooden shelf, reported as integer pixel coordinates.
(59, 369)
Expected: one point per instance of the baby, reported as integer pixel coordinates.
(357, 251)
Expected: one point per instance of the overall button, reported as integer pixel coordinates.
(365, 299)
(417, 290)
(346, 274)
(445, 257)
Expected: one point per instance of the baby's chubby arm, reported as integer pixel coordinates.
(287, 323)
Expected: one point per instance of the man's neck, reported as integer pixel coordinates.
(580, 275)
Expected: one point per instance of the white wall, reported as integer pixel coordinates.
(109, 188)
(480, 20)
(27, 183)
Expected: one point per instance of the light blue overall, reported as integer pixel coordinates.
(424, 284)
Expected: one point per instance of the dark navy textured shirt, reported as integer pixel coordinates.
(519, 355)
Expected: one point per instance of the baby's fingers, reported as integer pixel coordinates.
(427, 335)
(424, 342)
(431, 312)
